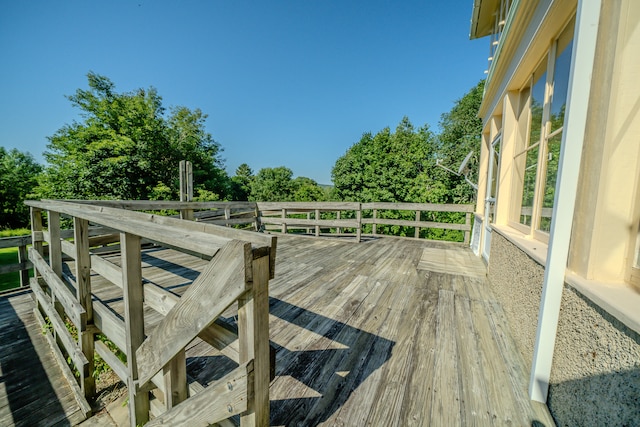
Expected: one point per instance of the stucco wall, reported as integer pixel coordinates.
(595, 379)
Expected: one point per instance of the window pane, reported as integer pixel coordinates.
(553, 157)
(560, 86)
(529, 186)
(537, 103)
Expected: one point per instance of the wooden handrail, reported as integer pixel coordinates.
(241, 264)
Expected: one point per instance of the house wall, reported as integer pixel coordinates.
(595, 379)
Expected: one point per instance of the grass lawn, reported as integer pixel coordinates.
(10, 280)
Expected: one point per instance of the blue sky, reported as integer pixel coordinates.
(285, 83)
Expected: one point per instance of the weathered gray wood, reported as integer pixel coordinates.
(304, 223)
(223, 399)
(134, 324)
(112, 360)
(429, 207)
(446, 389)
(219, 285)
(24, 264)
(174, 376)
(421, 224)
(72, 307)
(84, 407)
(110, 325)
(12, 242)
(324, 206)
(62, 334)
(83, 293)
(253, 335)
(107, 269)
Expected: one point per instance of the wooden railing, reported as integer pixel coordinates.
(417, 223)
(23, 265)
(351, 217)
(286, 216)
(316, 218)
(239, 267)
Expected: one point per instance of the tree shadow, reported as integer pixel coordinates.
(29, 397)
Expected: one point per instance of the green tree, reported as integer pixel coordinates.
(18, 177)
(125, 147)
(387, 167)
(460, 133)
(307, 190)
(272, 185)
(241, 183)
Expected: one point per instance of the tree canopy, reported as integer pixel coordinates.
(277, 185)
(461, 132)
(127, 147)
(387, 167)
(18, 177)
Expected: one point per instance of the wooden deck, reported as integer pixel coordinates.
(389, 332)
(33, 390)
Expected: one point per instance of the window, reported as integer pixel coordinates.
(537, 160)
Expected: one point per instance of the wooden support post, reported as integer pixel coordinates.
(227, 215)
(467, 233)
(83, 294)
(22, 259)
(417, 233)
(308, 219)
(55, 261)
(36, 242)
(317, 225)
(253, 335)
(257, 213)
(284, 225)
(338, 229)
(359, 221)
(186, 188)
(375, 214)
(55, 247)
(134, 323)
(175, 380)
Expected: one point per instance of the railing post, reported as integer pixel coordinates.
(317, 225)
(131, 260)
(467, 233)
(22, 259)
(338, 229)
(284, 225)
(257, 216)
(308, 219)
(227, 215)
(359, 221)
(373, 227)
(55, 259)
(417, 229)
(83, 293)
(186, 188)
(175, 380)
(253, 335)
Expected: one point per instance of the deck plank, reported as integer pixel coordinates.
(33, 391)
(387, 332)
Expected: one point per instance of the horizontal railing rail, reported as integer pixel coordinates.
(239, 268)
(420, 209)
(23, 265)
(285, 216)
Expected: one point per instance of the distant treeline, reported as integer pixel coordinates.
(127, 146)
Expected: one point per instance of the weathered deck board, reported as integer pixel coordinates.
(33, 391)
(387, 332)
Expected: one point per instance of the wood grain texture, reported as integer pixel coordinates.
(221, 400)
(219, 285)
